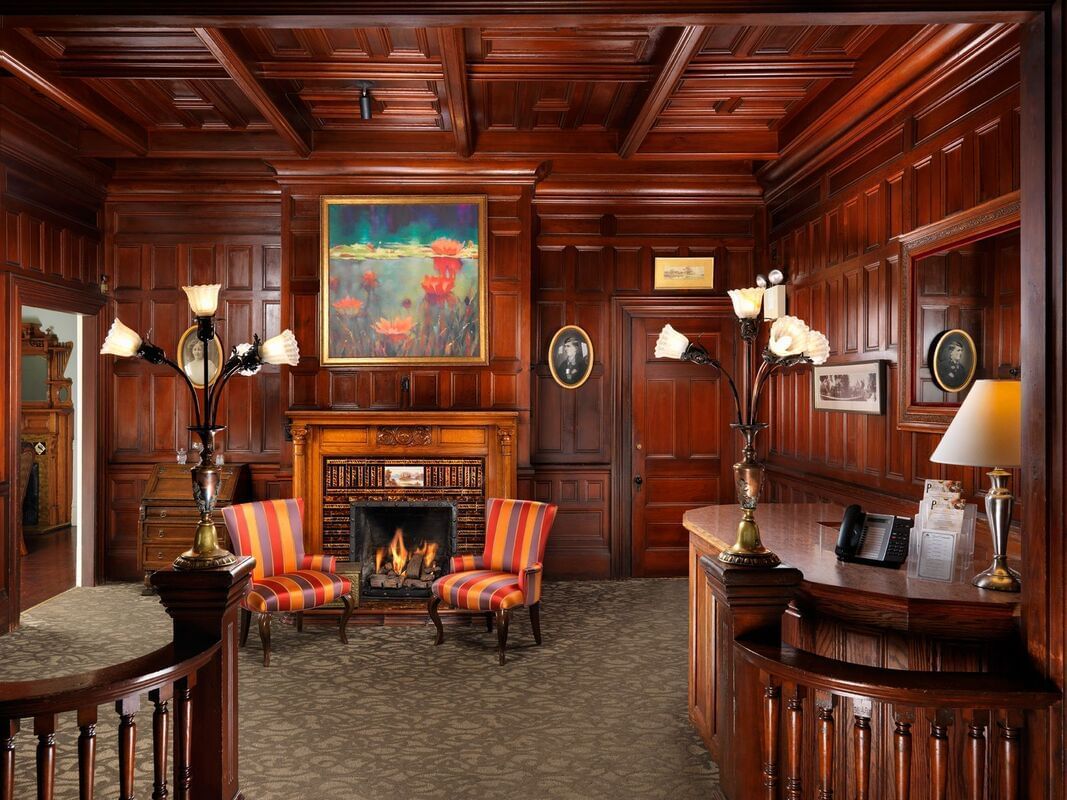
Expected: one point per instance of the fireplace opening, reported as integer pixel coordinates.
(402, 547)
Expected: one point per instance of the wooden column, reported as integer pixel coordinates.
(204, 606)
(751, 602)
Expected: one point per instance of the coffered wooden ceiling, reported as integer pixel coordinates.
(636, 92)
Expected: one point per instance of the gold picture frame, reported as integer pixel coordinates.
(404, 280)
(688, 273)
(570, 356)
(186, 358)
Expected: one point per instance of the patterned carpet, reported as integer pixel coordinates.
(599, 711)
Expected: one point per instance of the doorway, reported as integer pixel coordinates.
(50, 464)
(676, 439)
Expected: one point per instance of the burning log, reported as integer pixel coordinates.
(413, 569)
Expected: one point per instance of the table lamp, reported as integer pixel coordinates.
(986, 432)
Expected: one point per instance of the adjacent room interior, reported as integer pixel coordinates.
(570, 403)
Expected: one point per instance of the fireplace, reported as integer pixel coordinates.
(402, 546)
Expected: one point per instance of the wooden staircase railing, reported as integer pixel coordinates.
(792, 724)
(196, 672)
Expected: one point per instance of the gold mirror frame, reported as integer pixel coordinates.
(197, 379)
(552, 362)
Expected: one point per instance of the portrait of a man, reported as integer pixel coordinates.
(570, 356)
(954, 360)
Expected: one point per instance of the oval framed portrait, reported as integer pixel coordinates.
(191, 353)
(570, 356)
(953, 360)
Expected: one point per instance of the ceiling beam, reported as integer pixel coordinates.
(687, 46)
(454, 62)
(23, 61)
(296, 135)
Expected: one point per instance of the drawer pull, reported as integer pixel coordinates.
(159, 533)
(163, 513)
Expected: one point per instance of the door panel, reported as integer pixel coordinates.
(680, 416)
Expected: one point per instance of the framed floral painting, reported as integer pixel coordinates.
(403, 280)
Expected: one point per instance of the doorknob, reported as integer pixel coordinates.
(638, 480)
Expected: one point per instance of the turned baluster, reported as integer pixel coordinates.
(44, 727)
(861, 746)
(183, 736)
(1010, 735)
(976, 755)
(86, 752)
(771, 704)
(8, 729)
(939, 722)
(127, 709)
(825, 705)
(902, 753)
(160, 721)
(793, 730)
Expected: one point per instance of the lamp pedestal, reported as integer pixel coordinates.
(205, 553)
(998, 505)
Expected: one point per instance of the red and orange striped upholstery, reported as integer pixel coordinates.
(508, 572)
(284, 579)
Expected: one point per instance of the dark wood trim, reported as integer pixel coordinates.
(687, 46)
(453, 60)
(295, 135)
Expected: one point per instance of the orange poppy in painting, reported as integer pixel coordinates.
(348, 306)
(445, 247)
(370, 280)
(396, 329)
(438, 287)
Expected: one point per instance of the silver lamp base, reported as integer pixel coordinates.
(998, 504)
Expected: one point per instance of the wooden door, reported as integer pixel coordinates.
(680, 455)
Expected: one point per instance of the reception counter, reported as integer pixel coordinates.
(852, 614)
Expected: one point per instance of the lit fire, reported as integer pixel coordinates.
(399, 555)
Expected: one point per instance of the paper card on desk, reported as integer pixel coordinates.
(945, 515)
(936, 555)
(946, 490)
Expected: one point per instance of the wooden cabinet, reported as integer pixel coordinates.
(169, 515)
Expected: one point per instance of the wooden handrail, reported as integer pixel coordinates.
(900, 687)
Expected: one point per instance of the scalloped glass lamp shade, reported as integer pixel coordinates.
(671, 343)
(122, 341)
(747, 302)
(203, 298)
(281, 349)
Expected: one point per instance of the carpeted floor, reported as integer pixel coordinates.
(599, 711)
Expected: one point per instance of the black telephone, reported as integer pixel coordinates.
(880, 540)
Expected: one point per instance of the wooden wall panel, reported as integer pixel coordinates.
(939, 156)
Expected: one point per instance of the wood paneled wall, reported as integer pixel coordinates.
(589, 251)
(218, 233)
(835, 234)
(50, 239)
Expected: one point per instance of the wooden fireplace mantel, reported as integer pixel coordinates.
(318, 435)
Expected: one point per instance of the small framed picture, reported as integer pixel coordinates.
(570, 357)
(953, 360)
(685, 273)
(404, 475)
(191, 356)
(858, 388)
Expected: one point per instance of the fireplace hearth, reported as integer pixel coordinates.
(402, 546)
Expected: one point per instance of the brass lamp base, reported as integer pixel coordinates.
(999, 577)
(205, 553)
(748, 550)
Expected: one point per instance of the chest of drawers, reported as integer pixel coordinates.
(169, 515)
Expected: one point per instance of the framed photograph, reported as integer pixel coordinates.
(685, 273)
(953, 360)
(570, 357)
(191, 354)
(859, 388)
(404, 475)
(403, 280)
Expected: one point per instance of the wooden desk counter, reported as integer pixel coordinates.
(850, 612)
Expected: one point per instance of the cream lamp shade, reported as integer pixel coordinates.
(987, 429)
(203, 298)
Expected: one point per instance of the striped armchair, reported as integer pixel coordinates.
(506, 575)
(284, 578)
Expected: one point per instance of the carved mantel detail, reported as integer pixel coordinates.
(405, 435)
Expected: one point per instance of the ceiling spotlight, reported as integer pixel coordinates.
(365, 110)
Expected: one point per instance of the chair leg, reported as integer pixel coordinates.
(246, 621)
(432, 610)
(535, 621)
(489, 621)
(345, 616)
(299, 621)
(264, 634)
(503, 616)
